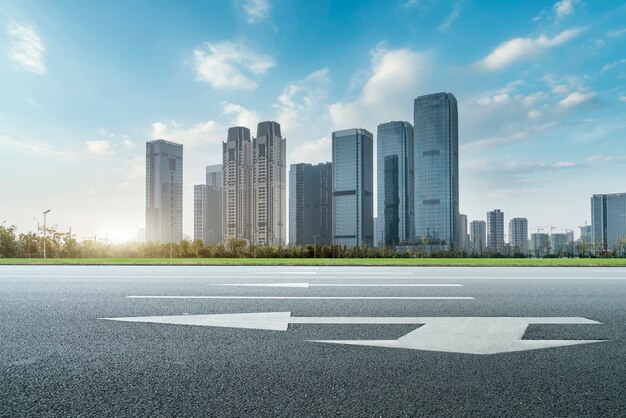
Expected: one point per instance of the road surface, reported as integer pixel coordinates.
(312, 341)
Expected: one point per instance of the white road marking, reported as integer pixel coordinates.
(470, 335)
(378, 276)
(285, 272)
(337, 284)
(309, 297)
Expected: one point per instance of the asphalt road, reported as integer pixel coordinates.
(59, 358)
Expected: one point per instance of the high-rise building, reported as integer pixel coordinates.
(561, 243)
(586, 237)
(310, 204)
(200, 212)
(269, 182)
(395, 175)
(539, 244)
(478, 236)
(436, 170)
(463, 240)
(237, 175)
(518, 235)
(353, 203)
(608, 220)
(215, 193)
(164, 191)
(495, 231)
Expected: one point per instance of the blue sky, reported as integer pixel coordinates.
(541, 88)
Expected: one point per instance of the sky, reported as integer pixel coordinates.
(541, 88)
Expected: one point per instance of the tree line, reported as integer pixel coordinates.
(64, 245)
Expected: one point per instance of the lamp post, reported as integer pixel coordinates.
(44, 231)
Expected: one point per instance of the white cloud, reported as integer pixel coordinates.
(612, 65)
(451, 18)
(302, 103)
(616, 33)
(564, 8)
(606, 158)
(197, 136)
(27, 48)
(100, 148)
(240, 116)
(519, 49)
(230, 65)
(256, 10)
(315, 151)
(575, 99)
(397, 77)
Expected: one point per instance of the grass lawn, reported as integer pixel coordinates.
(477, 262)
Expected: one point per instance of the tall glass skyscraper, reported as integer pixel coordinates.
(437, 170)
(214, 190)
(164, 191)
(396, 219)
(608, 220)
(478, 236)
(495, 231)
(269, 183)
(353, 202)
(310, 204)
(237, 200)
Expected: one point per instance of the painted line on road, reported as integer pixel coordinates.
(309, 297)
(380, 277)
(306, 285)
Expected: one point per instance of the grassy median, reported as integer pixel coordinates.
(461, 262)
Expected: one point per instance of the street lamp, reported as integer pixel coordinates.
(44, 232)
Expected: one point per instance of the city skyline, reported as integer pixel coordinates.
(541, 99)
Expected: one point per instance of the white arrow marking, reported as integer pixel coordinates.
(471, 335)
(337, 284)
(310, 297)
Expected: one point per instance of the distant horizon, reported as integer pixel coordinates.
(541, 97)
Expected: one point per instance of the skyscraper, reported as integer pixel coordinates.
(269, 207)
(164, 191)
(463, 239)
(200, 212)
(495, 231)
(608, 220)
(310, 204)
(395, 175)
(478, 236)
(215, 192)
(518, 235)
(436, 170)
(237, 200)
(353, 203)
(539, 244)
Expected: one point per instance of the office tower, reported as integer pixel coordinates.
(561, 243)
(200, 212)
(478, 236)
(353, 203)
(495, 231)
(518, 235)
(269, 182)
(394, 176)
(608, 220)
(215, 193)
(310, 204)
(539, 244)
(586, 236)
(164, 191)
(463, 239)
(436, 170)
(237, 176)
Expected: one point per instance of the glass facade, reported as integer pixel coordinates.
(436, 170)
(164, 191)
(478, 236)
(214, 215)
(237, 190)
(395, 176)
(495, 231)
(353, 200)
(608, 220)
(310, 204)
